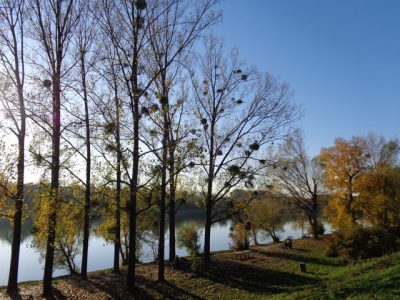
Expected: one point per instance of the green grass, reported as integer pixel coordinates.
(271, 273)
(274, 273)
(377, 278)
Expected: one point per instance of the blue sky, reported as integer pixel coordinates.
(341, 57)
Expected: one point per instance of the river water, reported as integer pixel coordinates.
(101, 253)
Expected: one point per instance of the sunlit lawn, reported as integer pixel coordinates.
(270, 273)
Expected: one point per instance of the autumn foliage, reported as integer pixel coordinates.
(344, 164)
(364, 177)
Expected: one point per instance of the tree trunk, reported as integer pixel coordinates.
(255, 237)
(314, 217)
(135, 170)
(12, 286)
(273, 235)
(161, 243)
(54, 193)
(172, 190)
(313, 221)
(86, 226)
(117, 242)
(208, 221)
(15, 248)
(207, 228)
(132, 216)
(117, 239)
(131, 277)
(351, 200)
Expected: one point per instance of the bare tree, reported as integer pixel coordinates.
(12, 47)
(301, 178)
(52, 24)
(110, 106)
(123, 25)
(86, 57)
(113, 136)
(239, 111)
(177, 26)
(129, 27)
(181, 151)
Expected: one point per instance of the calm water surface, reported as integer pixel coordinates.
(101, 253)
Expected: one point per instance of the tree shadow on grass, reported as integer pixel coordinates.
(289, 255)
(114, 286)
(56, 294)
(14, 296)
(254, 279)
(228, 274)
(171, 291)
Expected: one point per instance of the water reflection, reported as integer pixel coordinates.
(101, 252)
(6, 231)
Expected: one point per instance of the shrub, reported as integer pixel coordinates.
(240, 237)
(361, 243)
(333, 245)
(321, 229)
(331, 252)
(188, 237)
(197, 264)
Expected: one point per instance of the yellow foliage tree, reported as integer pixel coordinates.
(379, 187)
(344, 164)
(364, 177)
(146, 221)
(268, 215)
(68, 227)
(8, 186)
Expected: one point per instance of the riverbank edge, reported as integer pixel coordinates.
(110, 270)
(272, 272)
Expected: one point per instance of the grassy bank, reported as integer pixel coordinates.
(270, 273)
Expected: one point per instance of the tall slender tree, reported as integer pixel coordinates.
(183, 149)
(110, 139)
(52, 25)
(123, 24)
(12, 59)
(85, 34)
(177, 26)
